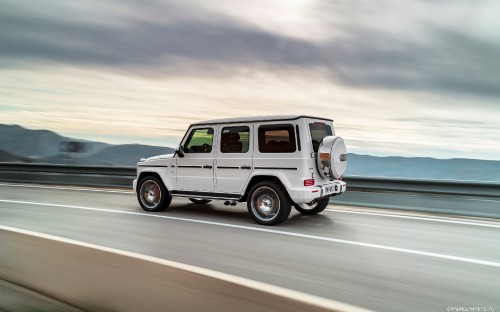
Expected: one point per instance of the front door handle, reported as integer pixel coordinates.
(245, 167)
(207, 167)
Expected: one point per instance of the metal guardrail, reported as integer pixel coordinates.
(69, 169)
(121, 177)
(98, 176)
(472, 188)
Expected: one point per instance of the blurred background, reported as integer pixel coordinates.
(412, 86)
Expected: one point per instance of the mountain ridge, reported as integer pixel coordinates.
(18, 144)
(45, 146)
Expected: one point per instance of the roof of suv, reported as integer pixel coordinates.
(256, 119)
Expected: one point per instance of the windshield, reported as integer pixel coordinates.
(319, 130)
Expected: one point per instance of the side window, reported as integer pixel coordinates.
(199, 141)
(235, 139)
(277, 139)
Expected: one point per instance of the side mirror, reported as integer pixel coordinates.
(180, 151)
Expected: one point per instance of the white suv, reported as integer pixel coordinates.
(270, 162)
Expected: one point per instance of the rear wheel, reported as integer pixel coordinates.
(153, 195)
(268, 203)
(312, 209)
(199, 201)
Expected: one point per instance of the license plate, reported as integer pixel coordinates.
(329, 189)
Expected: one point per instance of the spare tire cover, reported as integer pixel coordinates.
(332, 157)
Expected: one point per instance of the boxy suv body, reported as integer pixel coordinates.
(270, 162)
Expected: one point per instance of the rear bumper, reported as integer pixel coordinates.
(308, 194)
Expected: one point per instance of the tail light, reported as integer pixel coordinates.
(309, 182)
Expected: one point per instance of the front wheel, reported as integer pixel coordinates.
(199, 201)
(312, 209)
(153, 195)
(268, 203)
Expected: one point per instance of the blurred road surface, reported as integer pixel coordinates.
(384, 260)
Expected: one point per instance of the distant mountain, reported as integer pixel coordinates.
(18, 144)
(43, 146)
(36, 143)
(127, 154)
(423, 168)
(8, 157)
(30, 143)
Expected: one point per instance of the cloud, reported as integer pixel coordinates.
(446, 61)
(152, 45)
(167, 38)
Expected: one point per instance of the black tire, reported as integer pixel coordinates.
(268, 203)
(199, 201)
(313, 209)
(152, 194)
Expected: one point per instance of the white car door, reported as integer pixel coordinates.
(234, 157)
(195, 171)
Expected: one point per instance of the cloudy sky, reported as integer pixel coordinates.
(411, 78)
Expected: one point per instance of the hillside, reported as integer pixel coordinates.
(126, 154)
(423, 168)
(36, 143)
(43, 147)
(8, 157)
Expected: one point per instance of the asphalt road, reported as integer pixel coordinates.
(384, 260)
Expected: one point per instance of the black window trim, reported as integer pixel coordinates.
(297, 137)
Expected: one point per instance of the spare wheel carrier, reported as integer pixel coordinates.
(332, 157)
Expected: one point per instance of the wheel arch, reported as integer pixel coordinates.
(155, 174)
(262, 178)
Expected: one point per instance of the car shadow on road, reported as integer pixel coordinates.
(211, 211)
(305, 222)
(216, 212)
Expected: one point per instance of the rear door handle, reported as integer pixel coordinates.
(207, 167)
(245, 167)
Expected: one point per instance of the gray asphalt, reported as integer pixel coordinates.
(449, 204)
(384, 260)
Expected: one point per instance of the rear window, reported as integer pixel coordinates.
(277, 139)
(319, 130)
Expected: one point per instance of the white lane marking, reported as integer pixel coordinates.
(69, 188)
(289, 294)
(434, 219)
(265, 230)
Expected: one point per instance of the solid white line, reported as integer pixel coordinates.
(433, 219)
(265, 230)
(69, 188)
(289, 294)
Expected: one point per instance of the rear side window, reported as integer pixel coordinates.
(319, 130)
(199, 141)
(277, 139)
(235, 139)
